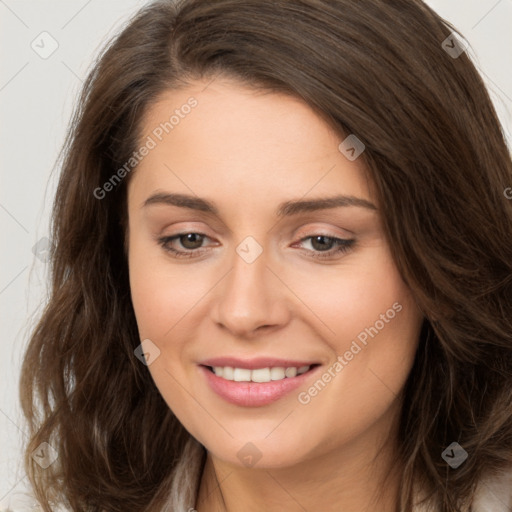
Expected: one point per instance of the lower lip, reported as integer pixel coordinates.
(254, 394)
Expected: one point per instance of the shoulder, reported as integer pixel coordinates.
(493, 494)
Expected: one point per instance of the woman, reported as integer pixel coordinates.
(203, 349)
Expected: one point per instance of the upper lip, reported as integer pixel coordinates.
(257, 362)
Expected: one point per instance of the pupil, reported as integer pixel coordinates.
(191, 238)
(322, 246)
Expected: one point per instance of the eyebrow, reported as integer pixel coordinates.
(285, 209)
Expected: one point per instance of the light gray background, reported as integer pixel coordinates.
(36, 98)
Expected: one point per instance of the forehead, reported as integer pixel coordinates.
(221, 138)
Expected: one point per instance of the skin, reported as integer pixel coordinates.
(248, 151)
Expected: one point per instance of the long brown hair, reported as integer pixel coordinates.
(438, 160)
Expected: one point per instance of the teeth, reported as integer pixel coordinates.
(277, 373)
(290, 372)
(241, 375)
(227, 373)
(259, 374)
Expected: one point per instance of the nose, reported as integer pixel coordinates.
(251, 298)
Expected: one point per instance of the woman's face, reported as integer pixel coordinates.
(267, 283)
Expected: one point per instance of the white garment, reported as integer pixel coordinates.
(492, 495)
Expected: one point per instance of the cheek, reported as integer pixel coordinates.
(168, 301)
(371, 359)
(162, 293)
(345, 301)
(162, 296)
(371, 324)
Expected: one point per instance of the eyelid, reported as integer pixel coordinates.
(320, 229)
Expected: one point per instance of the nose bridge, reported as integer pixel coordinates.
(249, 297)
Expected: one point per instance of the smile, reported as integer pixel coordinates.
(256, 386)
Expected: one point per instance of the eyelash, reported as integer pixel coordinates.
(344, 245)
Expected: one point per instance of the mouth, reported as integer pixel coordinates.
(258, 386)
(260, 375)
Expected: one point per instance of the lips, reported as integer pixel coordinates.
(249, 392)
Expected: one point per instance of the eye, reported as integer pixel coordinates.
(190, 241)
(325, 246)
